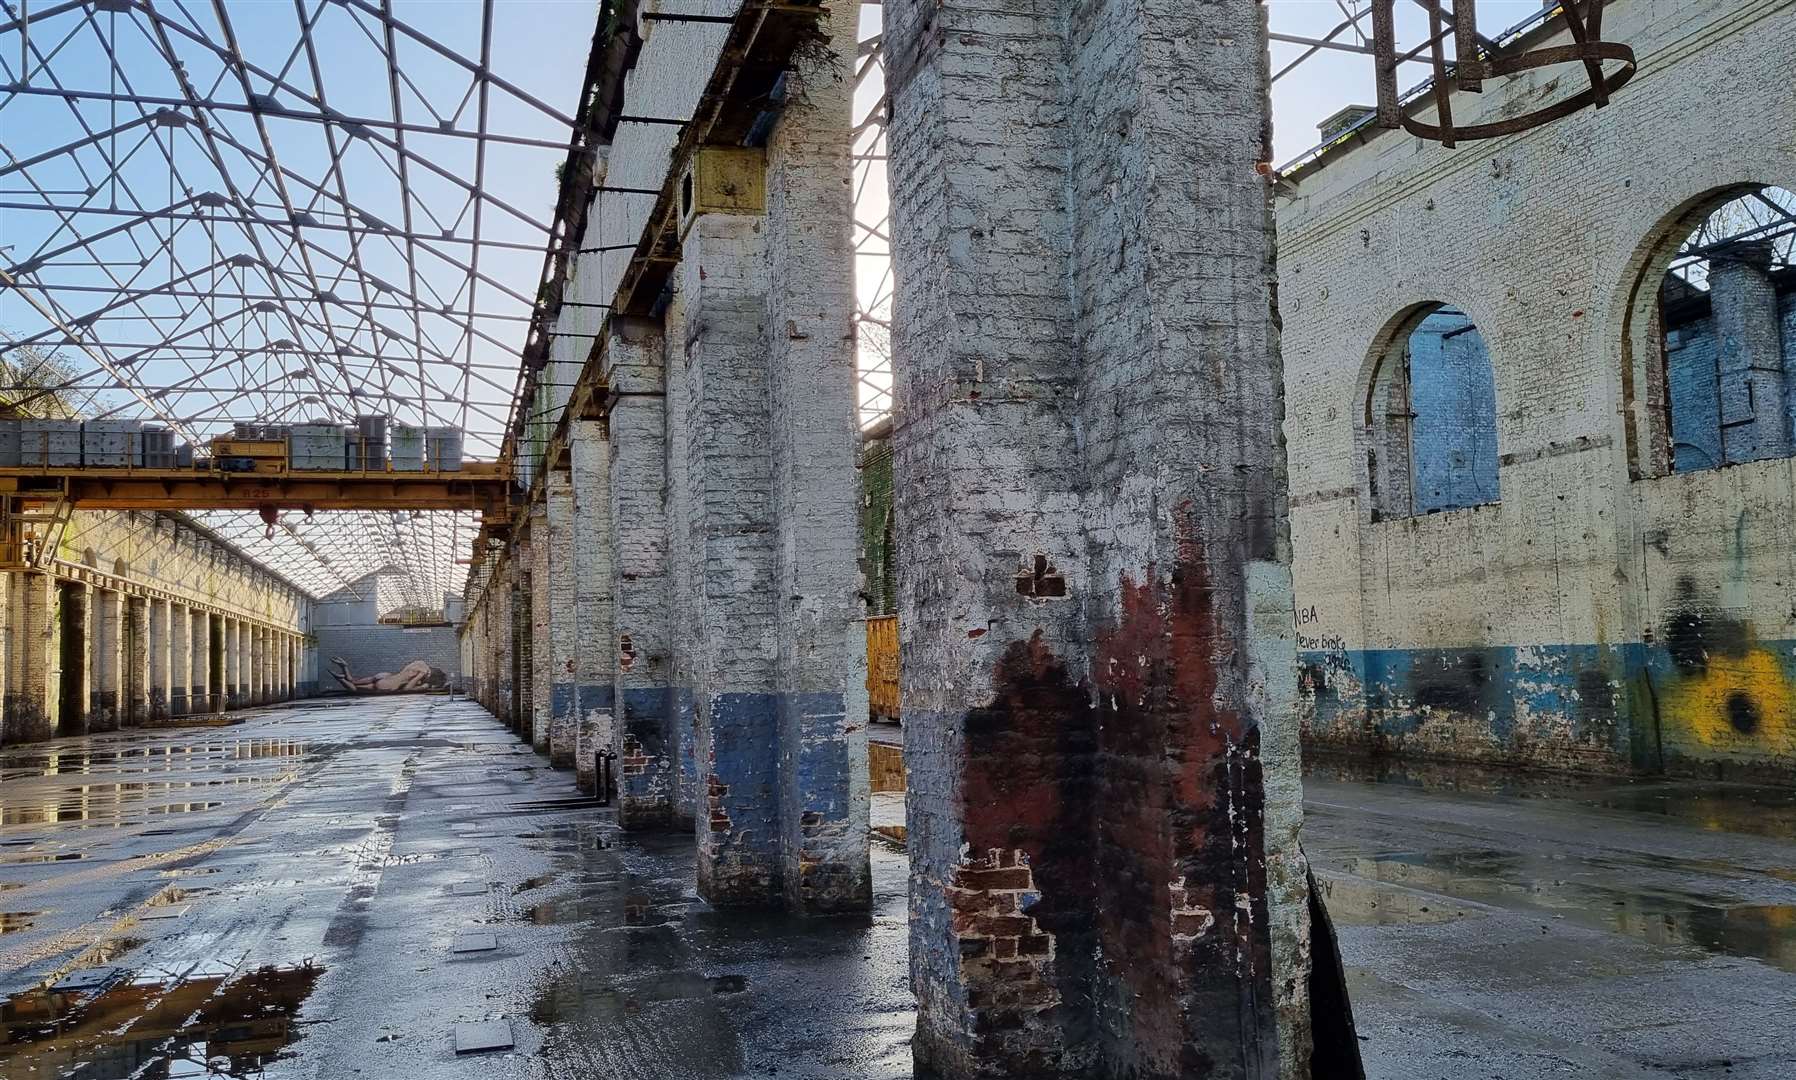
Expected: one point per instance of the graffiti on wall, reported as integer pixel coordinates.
(415, 677)
(1727, 691)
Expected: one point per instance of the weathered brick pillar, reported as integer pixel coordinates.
(258, 664)
(595, 661)
(134, 701)
(282, 687)
(542, 646)
(76, 664)
(200, 687)
(563, 630)
(821, 675)
(1097, 663)
(105, 648)
(684, 573)
(34, 658)
(729, 537)
(246, 664)
(637, 418)
(1755, 419)
(160, 647)
(180, 658)
(232, 671)
(252, 663)
(508, 615)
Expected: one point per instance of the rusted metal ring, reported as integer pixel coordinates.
(1510, 65)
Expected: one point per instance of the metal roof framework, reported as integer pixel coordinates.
(1327, 44)
(219, 210)
(214, 214)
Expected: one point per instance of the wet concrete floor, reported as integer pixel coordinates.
(1515, 927)
(330, 890)
(335, 889)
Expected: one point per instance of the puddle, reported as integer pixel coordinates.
(1357, 902)
(604, 912)
(65, 856)
(536, 882)
(597, 999)
(107, 951)
(11, 922)
(183, 808)
(212, 1025)
(1614, 901)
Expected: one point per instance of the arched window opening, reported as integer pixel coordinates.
(1727, 314)
(1431, 418)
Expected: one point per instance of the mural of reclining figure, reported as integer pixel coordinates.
(412, 678)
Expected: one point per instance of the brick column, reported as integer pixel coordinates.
(634, 371)
(202, 687)
(252, 664)
(246, 664)
(542, 648)
(134, 700)
(506, 619)
(76, 663)
(563, 631)
(519, 642)
(161, 654)
(1749, 361)
(259, 671)
(34, 664)
(180, 658)
(821, 676)
(729, 536)
(1097, 662)
(595, 661)
(105, 650)
(235, 673)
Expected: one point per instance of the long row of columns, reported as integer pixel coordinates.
(81, 659)
(1097, 662)
(679, 610)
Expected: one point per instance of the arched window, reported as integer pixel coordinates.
(1727, 333)
(1431, 417)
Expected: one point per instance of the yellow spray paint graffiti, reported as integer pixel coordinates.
(1737, 704)
(1730, 695)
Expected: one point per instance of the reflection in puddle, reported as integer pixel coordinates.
(214, 1026)
(1592, 898)
(44, 857)
(567, 999)
(1356, 902)
(11, 922)
(107, 951)
(1752, 809)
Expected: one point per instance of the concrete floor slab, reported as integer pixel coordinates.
(329, 915)
(1491, 929)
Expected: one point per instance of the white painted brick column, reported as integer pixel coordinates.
(542, 630)
(821, 674)
(76, 616)
(180, 660)
(134, 695)
(161, 656)
(200, 695)
(634, 357)
(105, 644)
(729, 536)
(563, 628)
(34, 648)
(1097, 671)
(595, 660)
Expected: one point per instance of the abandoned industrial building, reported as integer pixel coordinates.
(1102, 539)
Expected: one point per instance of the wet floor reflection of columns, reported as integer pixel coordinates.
(289, 894)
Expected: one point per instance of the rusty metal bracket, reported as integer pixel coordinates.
(1472, 66)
